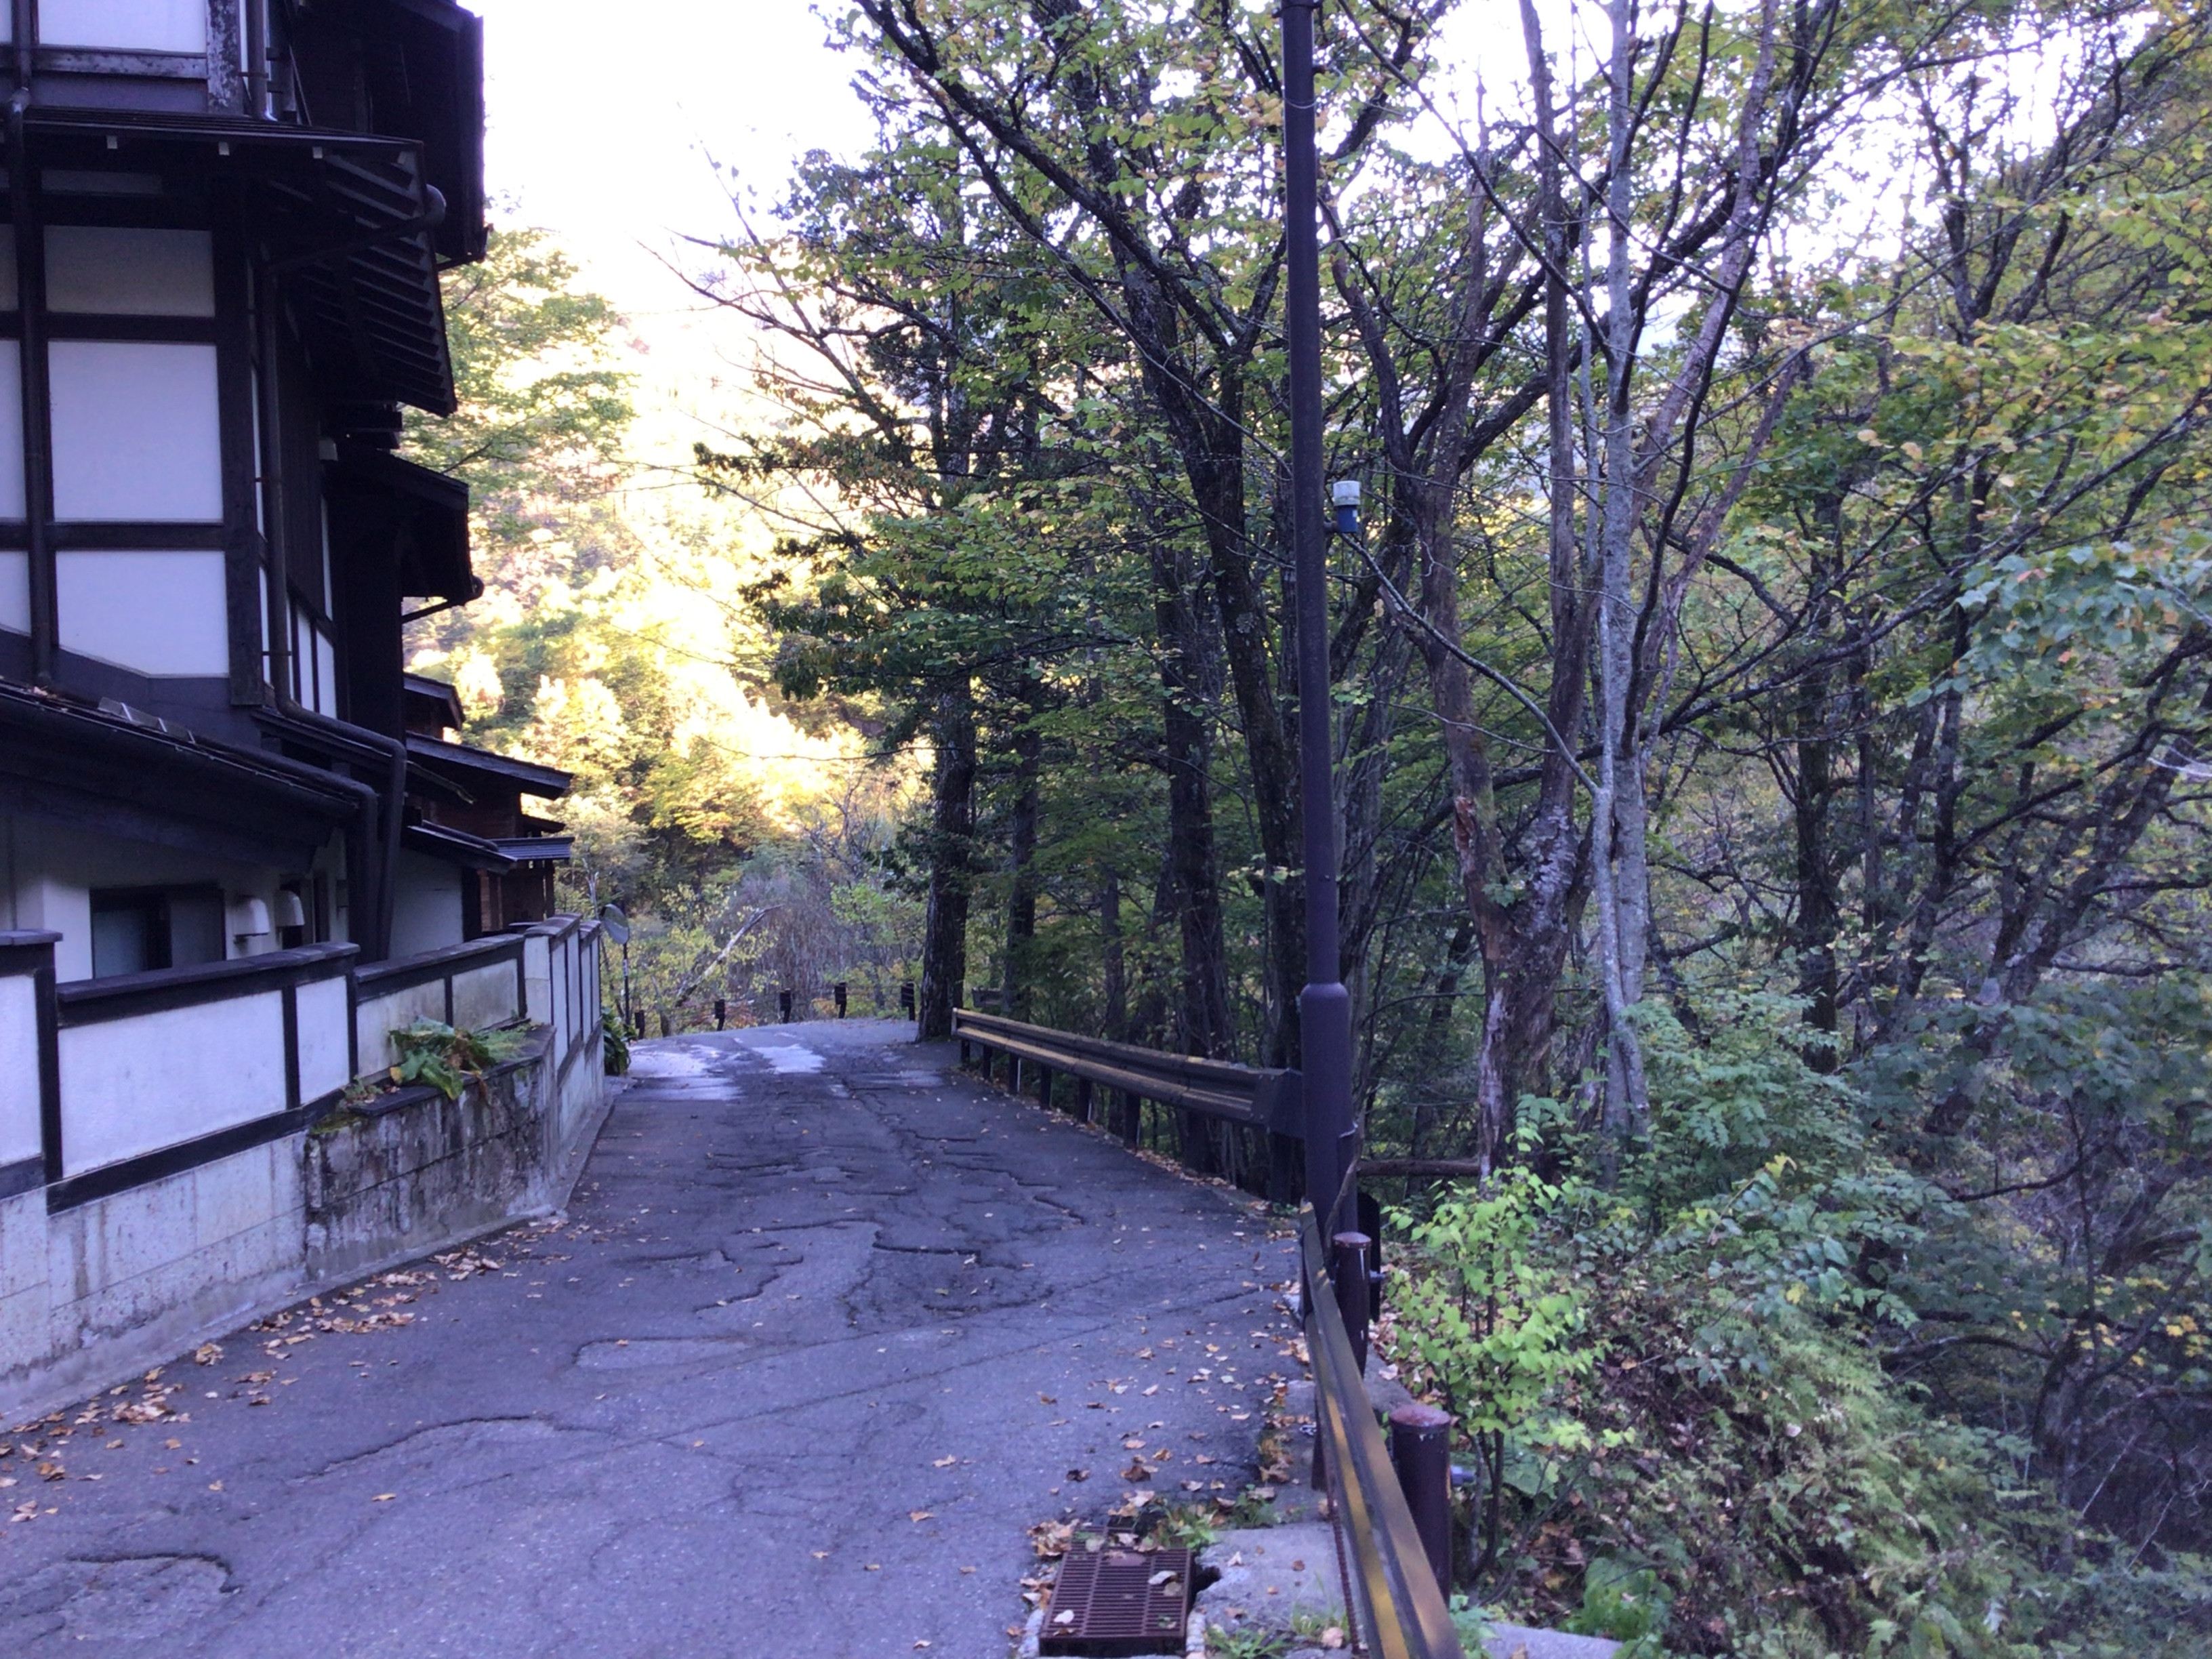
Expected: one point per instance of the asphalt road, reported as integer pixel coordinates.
(827, 1328)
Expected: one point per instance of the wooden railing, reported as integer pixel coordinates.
(1396, 1568)
(1394, 1584)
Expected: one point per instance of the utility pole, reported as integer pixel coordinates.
(1324, 1005)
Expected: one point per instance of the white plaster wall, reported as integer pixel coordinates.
(55, 869)
(485, 996)
(49, 902)
(325, 1011)
(377, 1019)
(19, 1070)
(426, 912)
(135, 1086)
(126, 25)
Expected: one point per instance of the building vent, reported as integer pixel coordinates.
(1119, 1602)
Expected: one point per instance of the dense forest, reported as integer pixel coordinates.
(1773, 667)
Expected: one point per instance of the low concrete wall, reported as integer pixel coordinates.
(95, 1292)
(423, 1169)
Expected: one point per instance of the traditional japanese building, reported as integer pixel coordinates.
(220, 287)
(240, 848)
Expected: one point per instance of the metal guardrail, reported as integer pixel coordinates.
(1256, 1097)
(1393, 1584)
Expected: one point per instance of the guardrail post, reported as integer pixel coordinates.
(1347, 1269)
(1083, 1093)
(1420, 1451)
(1044, 1087)
(1133, 1116)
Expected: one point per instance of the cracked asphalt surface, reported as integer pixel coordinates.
(827, 1327)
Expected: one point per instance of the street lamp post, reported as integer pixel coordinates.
(1324, 1007)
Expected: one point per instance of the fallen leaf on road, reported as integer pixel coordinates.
(1136, 1471)
(822, 1555)
(1194, 1486)
(1332, 1638)
(921, 1645)
(173, 1445)
(875, 1566)
(1065, 1617)
(944, 1462)
(206, 1354)
(384, 1497)
(214, 1486)
(1155, 1388)
(1047, 1400)
(918, 1515)
(1078, 1475)
(966, 1569)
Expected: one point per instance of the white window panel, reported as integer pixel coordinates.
(155, 613)
(130, 272)
(15, 590)
(129, 24)
(11, 429)
(326, 675)
(136, 431)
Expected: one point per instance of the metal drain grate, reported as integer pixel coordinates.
(1123, 1602)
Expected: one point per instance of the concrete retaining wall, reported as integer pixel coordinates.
(95, 1292)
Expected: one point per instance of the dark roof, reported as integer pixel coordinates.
(428, 699)
(352, 223)
(125, 773)
(425, 514)
(419, 64)
(459, 760)
(538, 849)
(440, 841)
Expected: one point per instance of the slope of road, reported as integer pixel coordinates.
(827, 1327)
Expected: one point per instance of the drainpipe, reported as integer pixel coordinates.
(384, 836)
(257, 59)
(31, 297)
(277, 608)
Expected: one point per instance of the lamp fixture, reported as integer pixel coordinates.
(1344, 495)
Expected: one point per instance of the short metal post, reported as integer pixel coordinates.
(1420, 1451)
(1083, 1099)
(838, 992)
(721, 1012)
(664, 1026)
(783, 1001)
(905, 999)
(1044, 1086)
(1347, 1270)
(1133, 1116)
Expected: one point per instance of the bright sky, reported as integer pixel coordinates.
(602, 119)
(604, 126)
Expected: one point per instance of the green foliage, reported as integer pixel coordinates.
(543, 410)
(1495, 1335)
(613, 1043)
(431, 1052)
(1630, 1604)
